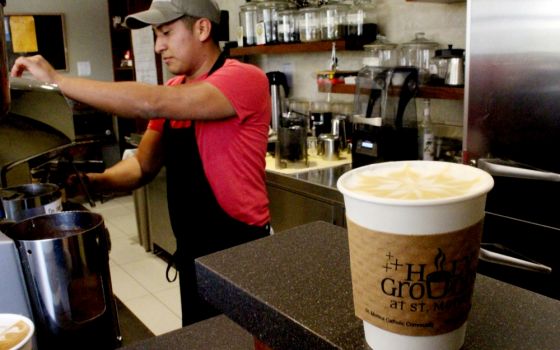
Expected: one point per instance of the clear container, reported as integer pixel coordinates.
(248, 22)
(267, 14)
(309, 24)
(361, 27)
(381, 53)
(418, 53)
(333, 21)
(288, 31)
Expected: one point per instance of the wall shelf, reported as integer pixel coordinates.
(317, 46)
(438, 1)
(424, 91)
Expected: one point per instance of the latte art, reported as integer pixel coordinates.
(411, 183)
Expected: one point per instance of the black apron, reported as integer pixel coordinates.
(199, 223)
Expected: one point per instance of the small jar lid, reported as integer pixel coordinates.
(450, 52)
(381, 43)
(420, 41)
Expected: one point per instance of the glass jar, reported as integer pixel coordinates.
(248, 23)
(287, 26)
(418, 53)
(361, 25)
(267, 15)
(333, 21)
(380, 53)
(309, 24)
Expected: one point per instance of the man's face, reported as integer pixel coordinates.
(177, 46)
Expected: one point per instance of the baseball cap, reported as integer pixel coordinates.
(163, 11)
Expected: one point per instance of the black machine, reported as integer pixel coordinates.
(384, 123)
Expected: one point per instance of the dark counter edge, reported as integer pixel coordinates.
(216, 333)
(503, 316)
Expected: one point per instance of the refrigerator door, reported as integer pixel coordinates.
(512, 98)
(512, 119)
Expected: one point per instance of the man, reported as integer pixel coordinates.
(209, 127)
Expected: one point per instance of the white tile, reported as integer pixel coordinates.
(126, 223)
(124, 286)
(171, 298)
(124, 251)
(150, 273)
(154, 314)
(124, 200)
(113, 212)
(114, 231)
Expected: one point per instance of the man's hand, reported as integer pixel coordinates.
(37, 66)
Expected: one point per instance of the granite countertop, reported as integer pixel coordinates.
(216, 333)
(293, 291)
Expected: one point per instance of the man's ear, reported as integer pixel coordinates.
(203, 28)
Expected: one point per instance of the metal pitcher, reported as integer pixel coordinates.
(28, 200)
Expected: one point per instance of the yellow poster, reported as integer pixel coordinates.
(24, 38)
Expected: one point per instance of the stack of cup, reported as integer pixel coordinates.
(414, 233)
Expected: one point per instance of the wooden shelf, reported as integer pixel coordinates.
(317, 46)
(424, 91)
(438, 1)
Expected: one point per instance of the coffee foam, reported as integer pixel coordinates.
(13, 334)
(417, 180)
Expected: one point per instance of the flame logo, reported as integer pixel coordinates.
(439, 260)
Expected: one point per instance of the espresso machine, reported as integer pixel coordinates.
(384, 123)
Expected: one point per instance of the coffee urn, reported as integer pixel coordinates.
(279, 90)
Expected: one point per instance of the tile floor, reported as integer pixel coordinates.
(138, 276)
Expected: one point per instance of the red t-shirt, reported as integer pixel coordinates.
(233, 149)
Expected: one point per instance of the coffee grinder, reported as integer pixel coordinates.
(384, 124)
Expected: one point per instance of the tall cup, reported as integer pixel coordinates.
(414, 232)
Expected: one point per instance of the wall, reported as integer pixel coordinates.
(398, 20)
(86, 27)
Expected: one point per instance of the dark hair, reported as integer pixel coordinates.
(214, 31)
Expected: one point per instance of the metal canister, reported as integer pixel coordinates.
(28, 200)
(65, 261)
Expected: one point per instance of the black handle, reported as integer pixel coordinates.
(408, 90)
(278, 78)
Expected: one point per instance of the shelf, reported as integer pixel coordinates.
(438, 1)
(424, 91)
(317, 46)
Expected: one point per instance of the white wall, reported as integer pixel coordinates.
(87, 31)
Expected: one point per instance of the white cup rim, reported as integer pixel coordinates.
(11, 319)
(486, 185)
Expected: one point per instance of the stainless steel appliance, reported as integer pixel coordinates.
(512, 111)
(65, 260)
(13, 294)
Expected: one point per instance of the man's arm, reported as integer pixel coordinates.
(199, 100)
(133, 172)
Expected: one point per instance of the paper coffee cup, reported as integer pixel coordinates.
(414, 232)
(15, 332)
